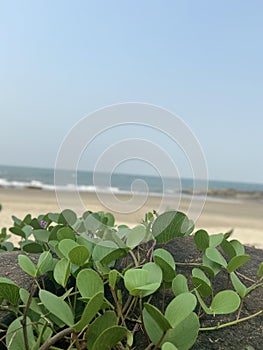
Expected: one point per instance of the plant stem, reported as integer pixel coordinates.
(134, 258)
(23, 321)
(56, 338)
(232, 323)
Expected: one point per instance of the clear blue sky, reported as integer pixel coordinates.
(60, 60)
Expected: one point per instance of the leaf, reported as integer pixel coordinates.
(225, 302)
(45, 263)
(24, 295)
(41, 235)
(201, 282)
(180, 285)
(214, 255)
(79, 255)
(107, 320)
(66, 245)
(241, 289)
(179, 308)
(90, 311)
(169, 346)
(144, 281)
(18, 231)
(239, 248)
(67, 217)
(228, 249)
(185, 334)
(27, 265)
(15, 337)
(135, 236)
(89, 283)
(66, 233)
(215, 240)
(31, 247)
(201, 239)
(157, 317)
(166, 262)
(260, 271)
(110, 219)
(28, 230)
(102, 249)
(118, 253)
(210, 266)
(62, 272)
(236, 262)
(110, 337)
(170, 225)
(9, 291)
(57, 307)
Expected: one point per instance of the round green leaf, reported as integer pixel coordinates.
(135, 236)
(65, 233)
(41, 235)
(101, 323)
(110, 337)
(236, 262)
(166, 262)
(31, 247)
(228, 248)
(90, 311)
(185, 334)
(62, 272)
(201, 239)
(157, 316)
(66, 245)
(216, 240)
(201, 282)
(144, 281)
(241, 289)
(214, 255)
(79, 255)
(225, 302)
(180, 285)
(170, 225)
(9, 291)
(89, 283)
(238, 247)
(68, 217)
(179, 308)
(27, 265)
(169, 346)
(57, 307)
(45, 263)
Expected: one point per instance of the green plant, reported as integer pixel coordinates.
(104, 277)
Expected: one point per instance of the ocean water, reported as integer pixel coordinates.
(25, 177)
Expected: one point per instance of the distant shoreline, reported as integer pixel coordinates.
(212, 194)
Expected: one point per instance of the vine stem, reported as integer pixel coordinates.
(134, 258)
(232, 323)
(56, 338)
(23, 321)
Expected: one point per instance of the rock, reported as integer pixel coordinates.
(10, 269)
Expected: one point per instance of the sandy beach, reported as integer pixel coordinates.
(218, 215)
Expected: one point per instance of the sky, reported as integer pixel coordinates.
(201, 60)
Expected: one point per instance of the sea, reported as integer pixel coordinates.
(87, 181)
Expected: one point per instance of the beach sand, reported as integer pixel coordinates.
(217, 216)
